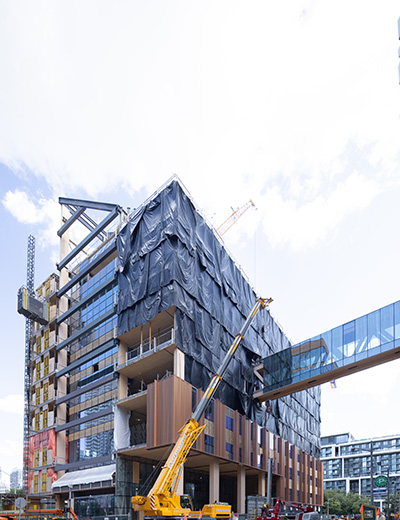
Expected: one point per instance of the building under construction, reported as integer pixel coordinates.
(125, 340)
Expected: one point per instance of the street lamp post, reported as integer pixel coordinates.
(388, 493)
(372, 475)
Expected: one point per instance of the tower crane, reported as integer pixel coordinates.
(228, 223)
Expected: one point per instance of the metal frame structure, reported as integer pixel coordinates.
(30, 283)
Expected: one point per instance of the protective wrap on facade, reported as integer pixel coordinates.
(169, 256)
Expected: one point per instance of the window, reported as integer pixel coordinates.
(194, 398)
(45, 418)
(44, 456)
(44, 481)
(36, 483)
(46, 340)
(45, 392)
(240, 425)
(37, 371)
(37, 396)
(46, 365)
(209, 413)
(208, 444)
(229, 449)
(37, 422)
(36, 459)
(229, 423)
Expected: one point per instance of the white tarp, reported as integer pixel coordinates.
(122, 433)
(85, 476)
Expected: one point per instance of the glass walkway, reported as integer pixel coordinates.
(359, 344)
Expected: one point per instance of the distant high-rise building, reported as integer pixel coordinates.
(16, 479)
(347, 464)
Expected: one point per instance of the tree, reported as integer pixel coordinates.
(394, 505)
(342, 503)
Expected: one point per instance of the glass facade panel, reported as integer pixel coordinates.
(397, 320)
(349, 336)
(361, 337)
(373, 330)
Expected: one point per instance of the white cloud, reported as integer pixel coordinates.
(238, 100)
(41, 212)
(13, 403)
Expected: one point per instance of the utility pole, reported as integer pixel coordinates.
(388, 492)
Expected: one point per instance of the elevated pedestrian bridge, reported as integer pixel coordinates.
(363, 343)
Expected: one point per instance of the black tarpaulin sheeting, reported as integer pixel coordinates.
(169, 256)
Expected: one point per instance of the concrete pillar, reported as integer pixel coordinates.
(179, 363)
(241, 490)
(261, 484)
(214, 481)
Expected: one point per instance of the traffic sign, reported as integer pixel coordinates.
(381, 481)
(20, 503)
(380, 491)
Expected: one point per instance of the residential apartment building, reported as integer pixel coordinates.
(347, 464)
(141, 312)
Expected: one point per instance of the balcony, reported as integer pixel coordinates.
(151, 359)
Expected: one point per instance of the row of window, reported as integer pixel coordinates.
(358, 448)
(95, 361)
(361, 466)
(43, 483)
(99, 445)
(94, 393)
(103, 301)
(90, 283)
(91, 424)
(89, 411)
(43, 420)
(95, 334)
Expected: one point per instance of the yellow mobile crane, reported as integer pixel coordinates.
(162, 500)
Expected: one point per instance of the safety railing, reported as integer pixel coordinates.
(148, 346)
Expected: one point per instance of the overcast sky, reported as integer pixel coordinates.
(293, 104)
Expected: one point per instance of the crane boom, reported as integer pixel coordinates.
(162, 500)
(228, 223)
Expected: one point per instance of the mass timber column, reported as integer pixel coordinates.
(214, 482)
(241, 490)
(122, 379)
(261, 484)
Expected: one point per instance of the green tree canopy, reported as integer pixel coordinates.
(342, 503)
